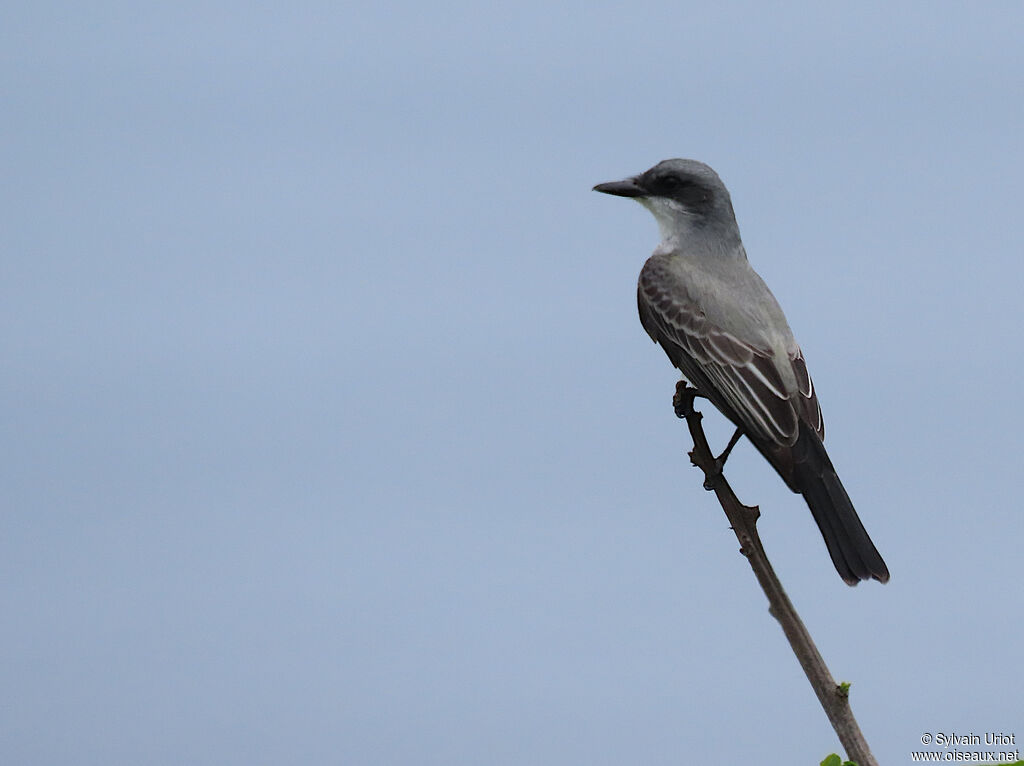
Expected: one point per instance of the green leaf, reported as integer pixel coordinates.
(835, 760)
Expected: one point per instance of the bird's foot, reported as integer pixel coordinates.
(682, 400)
(720, 460)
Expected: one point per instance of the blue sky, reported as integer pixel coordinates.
(330, 433)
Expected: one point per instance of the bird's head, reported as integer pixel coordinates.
(686, 197)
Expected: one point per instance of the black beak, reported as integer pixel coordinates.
(627, 188)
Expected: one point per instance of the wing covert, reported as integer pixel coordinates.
(742, 376)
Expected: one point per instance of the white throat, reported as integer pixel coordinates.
(675, 222)
(680, 231)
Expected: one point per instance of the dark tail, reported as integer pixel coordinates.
(852, 551)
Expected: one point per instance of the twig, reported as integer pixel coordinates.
(743, 520)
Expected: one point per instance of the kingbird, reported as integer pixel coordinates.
(722, 328)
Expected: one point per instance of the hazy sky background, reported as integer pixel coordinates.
(330, 434)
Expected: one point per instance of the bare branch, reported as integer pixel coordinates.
(743, 520)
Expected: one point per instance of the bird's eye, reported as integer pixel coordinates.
(668, 183)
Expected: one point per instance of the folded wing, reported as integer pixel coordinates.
(740, 376)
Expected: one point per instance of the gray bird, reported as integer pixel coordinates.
(722, 327)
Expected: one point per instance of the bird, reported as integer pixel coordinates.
(720, 325)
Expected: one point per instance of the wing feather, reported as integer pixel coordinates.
(740, 377)
(808, 405)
